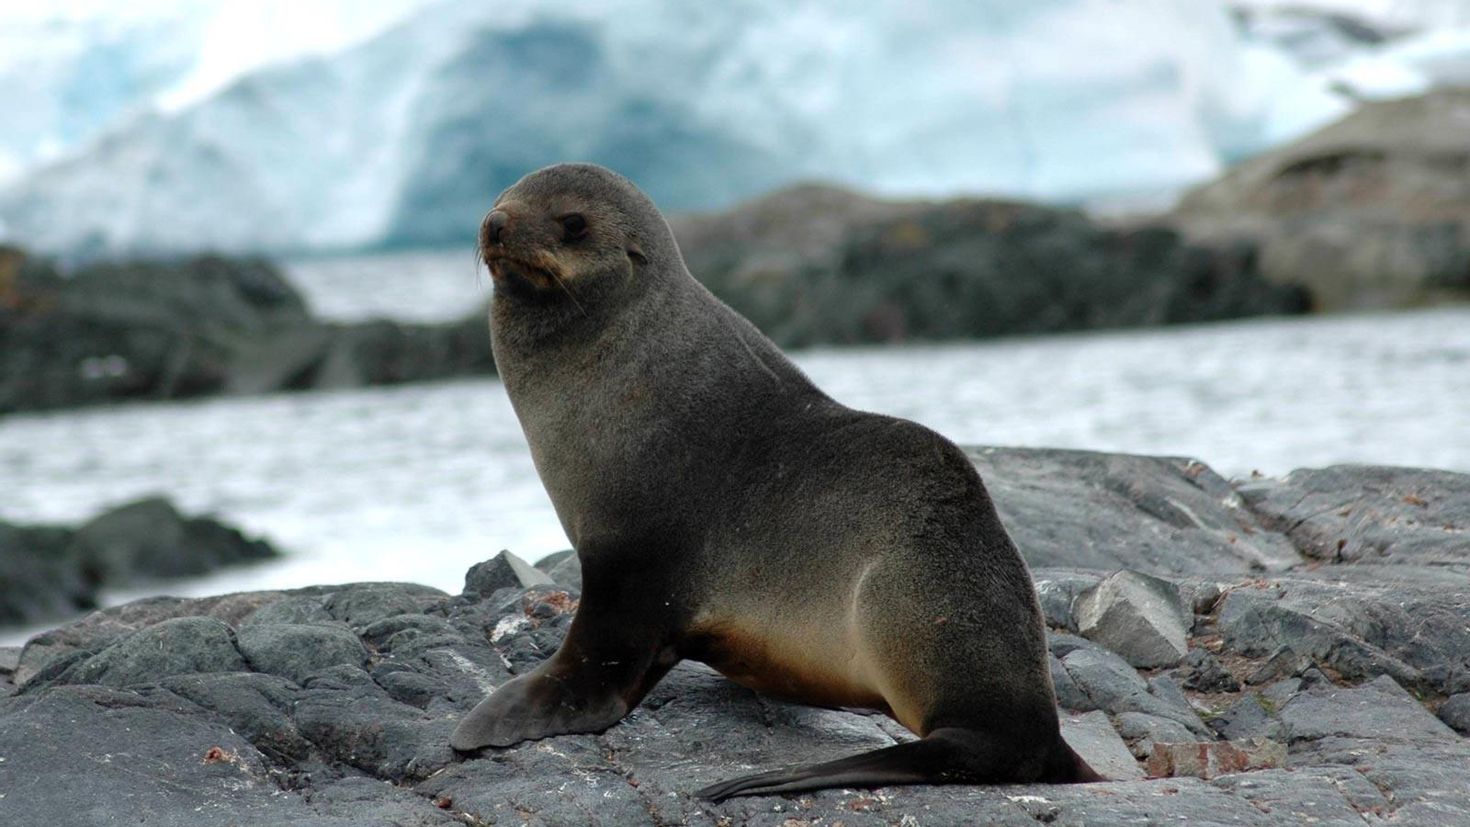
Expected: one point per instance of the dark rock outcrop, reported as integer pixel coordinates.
(50, 572)
(171, 329)
(333, 705)
(1372, 211)
(820, 265)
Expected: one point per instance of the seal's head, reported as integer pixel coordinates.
(571, 229)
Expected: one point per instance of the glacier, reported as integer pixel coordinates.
(402, 138)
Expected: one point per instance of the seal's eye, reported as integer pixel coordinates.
(575, 225)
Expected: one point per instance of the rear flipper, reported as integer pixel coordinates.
(945, 756)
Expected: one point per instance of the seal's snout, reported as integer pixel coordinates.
(494, 229)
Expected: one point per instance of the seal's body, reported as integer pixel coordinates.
(726, 510)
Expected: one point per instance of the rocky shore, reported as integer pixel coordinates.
(1267, 651)
(50, 572)
(809, 265)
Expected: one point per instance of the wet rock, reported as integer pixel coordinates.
(296, 651)
(1210, 759)
(1137, 616)
(504, 570)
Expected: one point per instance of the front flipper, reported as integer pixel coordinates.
(616, 650)
(538, 705)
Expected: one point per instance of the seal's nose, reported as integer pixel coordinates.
(495, 226)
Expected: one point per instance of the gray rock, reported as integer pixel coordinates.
(1057, 590)
(1364, 621)
(504, 570)
(367, 603)
(564, 567)
(1069, 694)
(1165, 516)
(1285, 662)
(1370, 515)
(1202, 672)
(301, 609)
(1137, 616)
(1379, 710)
(1248, 717)
(1110, 684)
(1456, 712)
(1334, 796)
(296, 651)
(178, 646)
(1093, 737)
(1142, 731)
(338, 744)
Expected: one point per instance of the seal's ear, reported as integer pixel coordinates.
(636, 253)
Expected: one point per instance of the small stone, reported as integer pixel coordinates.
(1209, 759)
(1246, 718)
(504, 570)
(1456, 712)
(1203, 673)
(1138, 616)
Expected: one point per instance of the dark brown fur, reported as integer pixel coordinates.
(726, 510)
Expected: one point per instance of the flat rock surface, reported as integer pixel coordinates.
(333, 705)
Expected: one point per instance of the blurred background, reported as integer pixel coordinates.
(237, 270)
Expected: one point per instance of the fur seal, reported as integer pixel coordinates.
(726, 510)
